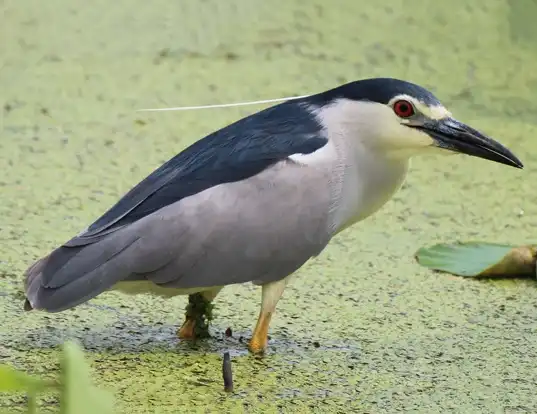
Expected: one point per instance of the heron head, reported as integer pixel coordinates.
(401, 118)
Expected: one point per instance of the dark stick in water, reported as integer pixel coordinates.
(227, 374)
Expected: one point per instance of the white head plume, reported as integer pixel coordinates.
(187, 108)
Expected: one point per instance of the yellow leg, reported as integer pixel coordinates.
(188, 329)
(258, 343)
(270, 295)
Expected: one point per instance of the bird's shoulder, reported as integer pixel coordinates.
(236, 152)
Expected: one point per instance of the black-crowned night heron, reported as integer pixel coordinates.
(255, 200)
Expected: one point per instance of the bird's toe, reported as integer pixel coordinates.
(187, 330)
(258, 345)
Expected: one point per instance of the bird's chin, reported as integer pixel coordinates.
(444, 152)
(434, 150)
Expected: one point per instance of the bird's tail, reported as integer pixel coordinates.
(31, 281)
(69, 276)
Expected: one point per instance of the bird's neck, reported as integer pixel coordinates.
(365, 176)
(370, 180)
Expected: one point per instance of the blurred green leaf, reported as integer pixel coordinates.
(78, 393)
(12, 380)
(472, 259)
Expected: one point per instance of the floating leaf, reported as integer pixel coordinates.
(78, 394)
(479, 259)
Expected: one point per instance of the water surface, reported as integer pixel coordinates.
(363, 327)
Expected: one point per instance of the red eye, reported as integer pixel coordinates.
(403, 109)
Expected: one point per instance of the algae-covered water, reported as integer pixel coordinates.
(363, 328)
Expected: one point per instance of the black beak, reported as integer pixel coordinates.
(455, 136)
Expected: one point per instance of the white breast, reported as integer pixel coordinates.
(367, 186)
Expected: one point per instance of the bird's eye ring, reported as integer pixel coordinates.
(403, 109)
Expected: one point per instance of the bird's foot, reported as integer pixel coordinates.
(258, 343)
(187, 331)
(257, 346)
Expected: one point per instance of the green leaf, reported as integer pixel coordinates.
(472, 259)
(78, 394)
(12, 380)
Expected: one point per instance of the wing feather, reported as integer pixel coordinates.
(234, 153)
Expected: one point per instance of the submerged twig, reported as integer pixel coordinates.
(227, 373)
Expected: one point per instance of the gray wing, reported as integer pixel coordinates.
(150, 226)
(260, 229)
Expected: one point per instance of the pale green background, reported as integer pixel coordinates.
(393, 336)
